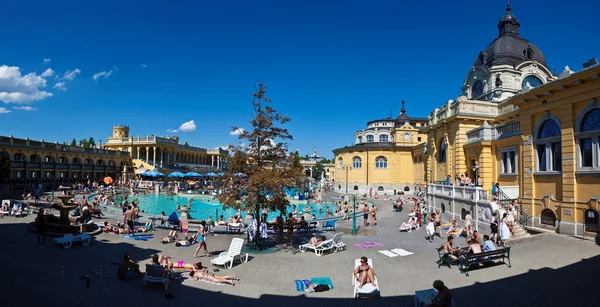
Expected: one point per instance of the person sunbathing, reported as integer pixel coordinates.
(365, 273)
(162, 260)
(221, 221)
(204, 274)
(317, 241)
(172, 237)
(454, 229)
(410, 224)
(111, 228)
(188, 266)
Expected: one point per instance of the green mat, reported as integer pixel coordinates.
(322, 281)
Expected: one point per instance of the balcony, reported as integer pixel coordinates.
(488, 133)
(75, 167)
(111, 168)
(463, 106)
(18, 164)
(88, 167)
(48, 165)
(34, 164)
(62, 166)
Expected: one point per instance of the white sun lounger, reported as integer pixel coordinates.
(227, 258)
(409, 225)
(66, 240)
(367, 290)
(320, 248)
(337, 242)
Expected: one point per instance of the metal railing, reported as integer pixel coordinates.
(505, 201)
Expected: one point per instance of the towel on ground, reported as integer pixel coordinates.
(301, 285)
(322, 281)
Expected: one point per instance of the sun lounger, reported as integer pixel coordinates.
(410, 225)
(329, 225)
(157, 273)
(227, 258)
(367, 290)
(66, 240)
(234, 227)
(337, 242)
(320, 248)
(83, 238)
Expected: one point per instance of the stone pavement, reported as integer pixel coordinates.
(548, 270)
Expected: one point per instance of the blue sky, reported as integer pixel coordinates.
(329, 65)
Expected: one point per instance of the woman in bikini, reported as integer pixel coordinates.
(171, 238)
(365, 273)
(201, 238)
(162, 260)
(202, 273)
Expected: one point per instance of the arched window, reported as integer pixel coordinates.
(532, 80)
(355, 188)
(384, 138)
(442, 151)
(380, 189)
(588, 139)
(381, 162)
(528, 53)
(341, 161)
(63, 160)
(19, 157)
(49, 159)
(369, 139)
(111, 163)
(76, 161)
(360, 139)
(477, 89)
(35, 158)
(89, 162)
(548, 146)
(548, 217)
(356, 162)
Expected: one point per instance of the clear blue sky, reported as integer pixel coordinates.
(330, 65)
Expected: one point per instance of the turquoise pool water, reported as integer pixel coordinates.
(202, 208)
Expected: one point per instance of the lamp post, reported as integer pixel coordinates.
(354, 215)
(347, 168)
(476, 170)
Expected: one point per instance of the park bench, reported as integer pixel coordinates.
(466, 260)
(444, 260)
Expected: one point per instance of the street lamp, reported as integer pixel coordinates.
(347, 168)
(476, 170)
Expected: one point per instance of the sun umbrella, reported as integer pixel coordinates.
(211, 174)
(153, 173)
(220, 174)
(193, 174)
(108, 180)
(176, 175)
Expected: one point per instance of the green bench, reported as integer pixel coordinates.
(445, 260)
(467, 260)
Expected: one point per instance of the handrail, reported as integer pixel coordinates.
(504, 201)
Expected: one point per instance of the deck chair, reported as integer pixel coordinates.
(329, 225)
(319, 249)
(156, 273)
(409, 225)
(66, 240)
(337, 242)
(367, 290)
(227, 258)
(83, 238)
(234, 227)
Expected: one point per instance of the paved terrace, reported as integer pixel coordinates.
(548, 270)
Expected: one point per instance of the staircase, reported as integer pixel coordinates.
(521, 220)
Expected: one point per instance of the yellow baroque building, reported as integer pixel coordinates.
(44, 163)
(387, 157)
(534, 133)
(166, 153)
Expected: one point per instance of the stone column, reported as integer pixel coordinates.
(162, 157)
(174, 157)
(147, 154)
(154, 156)
(212, 163)
(138, 152)
(569, 154)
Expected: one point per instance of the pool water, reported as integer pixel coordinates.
(203, 207)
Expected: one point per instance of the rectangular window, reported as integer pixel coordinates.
(556, 156)
(585, 146)
(418, 139)
(508, 161)
(541, 153)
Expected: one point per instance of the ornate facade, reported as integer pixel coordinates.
(387, 157)
(165, 153)
(40, 162)
(534, 133)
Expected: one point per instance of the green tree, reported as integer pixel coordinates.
(326, 161)
(317, 170)
(73, 142)
(259, 173)
(91, 142)
(4, 167)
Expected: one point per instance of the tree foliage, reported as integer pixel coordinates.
(259, 173)
(4, 167)
(317, 170)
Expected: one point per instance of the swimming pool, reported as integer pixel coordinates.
(203, 207)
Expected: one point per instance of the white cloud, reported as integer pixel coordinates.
(4, 111)
(25, 108)
(188, 127)
(172, 130)
(60, 86)
(48, 73)
(237, 131)
(71, 74)
(47, 60)
(21, 89)
(104, 74)
(145, 65)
